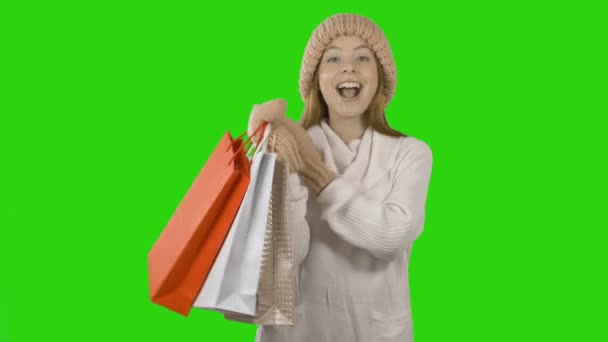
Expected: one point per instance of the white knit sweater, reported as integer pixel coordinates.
(353, 242)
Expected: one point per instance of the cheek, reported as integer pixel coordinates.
(372, 76)
(325, 81)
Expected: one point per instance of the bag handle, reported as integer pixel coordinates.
(239, 140)
(266, 130)
(272, 142)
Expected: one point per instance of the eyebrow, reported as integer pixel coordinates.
(363, 46)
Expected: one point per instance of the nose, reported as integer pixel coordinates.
(348, 67)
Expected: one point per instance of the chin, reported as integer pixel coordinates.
(349, 110)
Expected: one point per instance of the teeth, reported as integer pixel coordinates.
(349, 85)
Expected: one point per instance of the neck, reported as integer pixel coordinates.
(348, 128)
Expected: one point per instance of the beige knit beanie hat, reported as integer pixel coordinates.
(347, 25)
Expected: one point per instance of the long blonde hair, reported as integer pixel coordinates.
(315, 108)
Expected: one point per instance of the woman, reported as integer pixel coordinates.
(361, 200)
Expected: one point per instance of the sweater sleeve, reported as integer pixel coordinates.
(297, 198)
(384, 228)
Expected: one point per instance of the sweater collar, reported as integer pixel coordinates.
(344, 154)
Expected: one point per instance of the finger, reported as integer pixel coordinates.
(294, 149)
(272, 111)
(294, 156)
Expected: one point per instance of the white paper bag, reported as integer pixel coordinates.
(277, 289)
(232, 283)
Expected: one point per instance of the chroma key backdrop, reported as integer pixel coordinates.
(108, 111)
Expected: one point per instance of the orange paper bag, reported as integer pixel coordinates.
(183, 255)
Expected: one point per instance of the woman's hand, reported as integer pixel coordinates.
(270, 111)
(281, 140)
(293, 144)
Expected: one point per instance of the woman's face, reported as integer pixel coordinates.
(348, 76)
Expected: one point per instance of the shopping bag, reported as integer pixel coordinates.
(232, 284)
(276, 290)
(182, 256)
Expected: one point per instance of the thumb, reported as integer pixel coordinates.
(256, 118)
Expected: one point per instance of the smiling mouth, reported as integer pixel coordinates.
(349, 90)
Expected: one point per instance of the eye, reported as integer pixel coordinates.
(332, 59)
(363, 59)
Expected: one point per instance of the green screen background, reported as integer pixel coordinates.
(109, 110)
